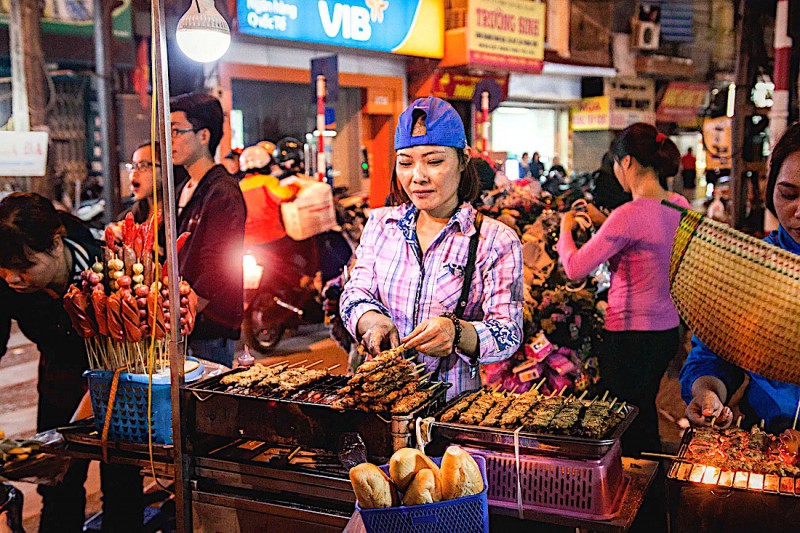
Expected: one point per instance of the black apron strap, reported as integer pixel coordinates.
(469, 270)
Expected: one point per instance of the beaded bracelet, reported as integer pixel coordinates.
(458, 328)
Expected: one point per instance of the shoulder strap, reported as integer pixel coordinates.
(469, 268)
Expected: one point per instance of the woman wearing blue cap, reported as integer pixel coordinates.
(431, 273)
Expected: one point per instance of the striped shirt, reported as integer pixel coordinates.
(393, 277)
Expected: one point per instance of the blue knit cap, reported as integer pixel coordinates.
(444, 125)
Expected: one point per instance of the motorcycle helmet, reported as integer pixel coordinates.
(269, 146)
(289, 156)
(255, 159)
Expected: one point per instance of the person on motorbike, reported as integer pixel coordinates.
(263, 196)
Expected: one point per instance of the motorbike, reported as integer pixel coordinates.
(282, 292)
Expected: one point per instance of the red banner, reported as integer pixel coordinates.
(452, 86)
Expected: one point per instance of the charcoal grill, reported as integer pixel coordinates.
(304, 417)
(686, 471)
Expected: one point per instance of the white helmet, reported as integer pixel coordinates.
(255, 157)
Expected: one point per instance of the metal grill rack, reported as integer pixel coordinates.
(683, 470)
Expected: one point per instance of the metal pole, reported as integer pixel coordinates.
(322, 166)
(485, 121)
(103, 58)
(161, 87)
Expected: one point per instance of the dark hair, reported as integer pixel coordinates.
(156, 147)
(788, 144)
(28, 224)
(203, 111)
(650, 148)
(468, 186)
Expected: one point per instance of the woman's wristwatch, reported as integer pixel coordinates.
(458, 328)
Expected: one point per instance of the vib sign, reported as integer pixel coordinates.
(409, 27)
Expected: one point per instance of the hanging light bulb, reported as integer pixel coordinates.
(202, 33)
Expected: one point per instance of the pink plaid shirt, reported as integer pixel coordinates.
(392, 277)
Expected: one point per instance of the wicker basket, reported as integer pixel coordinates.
(739, 295)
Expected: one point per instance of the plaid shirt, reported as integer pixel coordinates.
(391, 276)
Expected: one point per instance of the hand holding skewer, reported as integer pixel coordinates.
(707, 407)
(378, 332)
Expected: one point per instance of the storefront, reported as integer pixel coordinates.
(596, 119)
(266, 80)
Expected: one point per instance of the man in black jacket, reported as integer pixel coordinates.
(211, 207)
(41, 253)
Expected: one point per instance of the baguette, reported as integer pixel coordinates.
(460, 474)
(406, 462)
(423, 489)
(372, 487)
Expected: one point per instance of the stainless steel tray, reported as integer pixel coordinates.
(529, 443)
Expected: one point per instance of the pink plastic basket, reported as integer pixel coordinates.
(580, 488)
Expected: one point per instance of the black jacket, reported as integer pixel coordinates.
(211, 259)
(42, 319)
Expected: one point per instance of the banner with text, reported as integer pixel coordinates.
(506, 33)
(408, 27)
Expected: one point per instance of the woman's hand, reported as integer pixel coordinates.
(568, 222)
(378, 332)
(433, 337)
(705, 407)
(596, 216)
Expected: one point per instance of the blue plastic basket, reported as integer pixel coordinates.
(129, 417)
(469, 514)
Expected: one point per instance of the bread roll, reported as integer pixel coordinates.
(404, 465)
(423, 489)
(372, 487)
(460, 474)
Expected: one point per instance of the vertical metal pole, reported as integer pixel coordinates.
(161, 86)
(103, 58)
(485, 121)
(322, 167)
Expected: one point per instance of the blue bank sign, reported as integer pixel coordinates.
(410, 27)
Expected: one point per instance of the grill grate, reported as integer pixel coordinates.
(321, 392)
(685, 471)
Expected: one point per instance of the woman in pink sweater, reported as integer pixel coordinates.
(641, 324)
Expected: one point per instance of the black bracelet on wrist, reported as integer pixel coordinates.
(457, 326)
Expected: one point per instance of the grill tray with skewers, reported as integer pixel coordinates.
(301, 412)
(689, 467)
(535, 442)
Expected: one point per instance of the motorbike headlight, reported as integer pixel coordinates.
(252, 272)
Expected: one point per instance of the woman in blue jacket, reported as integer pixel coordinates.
(707, 381)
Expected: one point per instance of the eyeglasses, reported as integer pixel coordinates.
(177, 131)
(144, 165)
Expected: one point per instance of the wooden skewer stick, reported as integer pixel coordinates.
(515, 388)
(291, 455)
(424, 377)
(739, 421)
(660, 455)
(713, 421)
(796, 413)
(435, 385)
(298, 363)
(561, 392)
(539, 385)
(605, 395)
(334, 367)
(762, 423)
(314, 364)
(582, 396)
(612, 403)
(621, 407)
(497, 386)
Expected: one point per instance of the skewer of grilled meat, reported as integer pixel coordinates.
(253, 375)
(538, 418)
(308, 377)
(496, 412)
(479, 409)
(567, 418)
(409, 403)
(519, 408)
(455, 411)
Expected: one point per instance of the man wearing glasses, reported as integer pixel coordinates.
(211, 208)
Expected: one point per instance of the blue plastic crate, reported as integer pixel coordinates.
(469, 514)
(129, 417)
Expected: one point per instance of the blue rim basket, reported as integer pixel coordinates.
(129, 415)
(469, 514)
